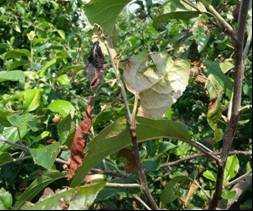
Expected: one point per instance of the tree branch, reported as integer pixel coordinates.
(132, 122)
(122, 185)
(228, 28)
(197, 155)
(142, 202)
(239, 74)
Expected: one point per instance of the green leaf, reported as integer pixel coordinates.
(160, 87)
(37, 186)
(62, 107)
(48, 64)
(25, 121)
(210, 175)
(15, 75)
(104, 13)
(45, 155)
(213, 117)
(80, 198)
(171, 191)
(116, 137)
(5, 199)
(218, 81)
(65, 129)
(32, 98)
(63, 80)
(17, 53)
(226, 65)
(179, 15)
(4, 157)
(3, 117)
(232, 168)
(228, 194)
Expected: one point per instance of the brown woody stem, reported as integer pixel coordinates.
(236, 106)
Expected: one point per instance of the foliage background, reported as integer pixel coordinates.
(44, 46)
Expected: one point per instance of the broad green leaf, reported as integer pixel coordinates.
(46, 66)
(12, 134)
(24, 121)
(232, 168)
(213, 117)
(62, 107)
(45, 155)
(104, 13)
(63, 80)
(3, 117)
(116, 137)
(228, 194)
(32, 98)
(5, 199)
(180, 15)
(4, 157)
(65, 129)
(80, 198)
(17, 53)
(158, 87)
(218, 80)
(172, 190)
(15, 75)
(37, 186)
(210, 175)
(226, 65)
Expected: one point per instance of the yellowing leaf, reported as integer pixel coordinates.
(158, 85)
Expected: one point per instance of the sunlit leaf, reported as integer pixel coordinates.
(15, 75)
(104, 13)
(79, 198)
(116, 137)
(45, 155)
(62, 107)
(37, 186)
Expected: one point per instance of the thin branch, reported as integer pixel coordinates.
(109, 172)
(205, 150)
(15, 145)
(237, 180)
(249, 37)
(15, 160)
(115, 65)
(197, 155)
(236, 106)
(142, 202)
(132, 122)
(122, 185)
(228, 28)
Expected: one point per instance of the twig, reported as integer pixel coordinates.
(15, 160)
(239, 179)
(228, 28)
(230, 133)
(142, 202)
(15, 145)
(122, 185)
(249, 38)
(191, 157)
(132, 123)
(202, 148)
(112, 173)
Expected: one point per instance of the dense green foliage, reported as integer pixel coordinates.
(44, 46)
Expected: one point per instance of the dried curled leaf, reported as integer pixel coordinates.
(79, 141)
(158, 80)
